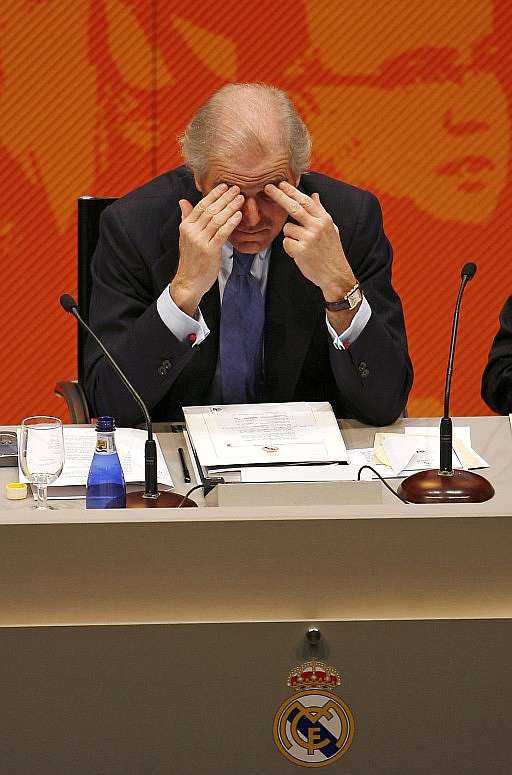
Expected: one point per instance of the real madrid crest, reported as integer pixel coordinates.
(313, 727)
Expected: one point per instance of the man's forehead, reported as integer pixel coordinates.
(249, 176)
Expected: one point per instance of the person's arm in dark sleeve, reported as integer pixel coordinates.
(497, 376)
(374, 374)
(123, 313)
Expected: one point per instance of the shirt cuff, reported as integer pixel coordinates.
(346, 338)
(184, 328)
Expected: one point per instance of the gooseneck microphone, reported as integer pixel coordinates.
(446, 428)
(151, 497)
(151, 490)
(448, 485)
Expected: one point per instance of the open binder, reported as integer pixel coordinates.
(226, 438)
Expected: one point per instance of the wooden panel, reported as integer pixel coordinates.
(427, 696)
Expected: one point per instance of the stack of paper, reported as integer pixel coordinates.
(393, 455)
(227, 439)
(417, 449)
(79, 445)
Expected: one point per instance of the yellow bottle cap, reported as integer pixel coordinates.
(16, 491)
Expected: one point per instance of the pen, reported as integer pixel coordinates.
(186, 474)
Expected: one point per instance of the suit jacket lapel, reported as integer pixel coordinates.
(292, 312)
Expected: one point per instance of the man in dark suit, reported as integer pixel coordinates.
(312, 317)
(497, 377)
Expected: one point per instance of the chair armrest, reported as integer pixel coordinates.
(74, 396)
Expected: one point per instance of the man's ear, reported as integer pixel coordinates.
(198, 184)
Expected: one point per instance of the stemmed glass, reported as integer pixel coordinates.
(41, 454)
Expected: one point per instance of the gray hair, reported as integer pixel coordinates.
(248, 118)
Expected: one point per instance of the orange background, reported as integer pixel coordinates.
(410, 100)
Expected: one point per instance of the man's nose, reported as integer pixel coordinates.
(250, 212)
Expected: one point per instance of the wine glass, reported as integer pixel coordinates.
(41, 454)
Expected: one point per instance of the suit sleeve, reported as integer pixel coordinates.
(497, 376)
(374, 375)
(123, 313)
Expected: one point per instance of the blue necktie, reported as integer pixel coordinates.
(241, 334)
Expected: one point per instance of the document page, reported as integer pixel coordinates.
(464, 456)
(400, 454)
(79, 445)
(247, 428)
(263, 434)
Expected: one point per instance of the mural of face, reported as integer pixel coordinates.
(410, 105)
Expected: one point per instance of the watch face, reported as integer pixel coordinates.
(354, 298)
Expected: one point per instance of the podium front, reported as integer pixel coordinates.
(162, 643)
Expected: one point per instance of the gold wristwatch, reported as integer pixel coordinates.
(350, 300)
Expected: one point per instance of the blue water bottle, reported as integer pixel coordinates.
(106, 488)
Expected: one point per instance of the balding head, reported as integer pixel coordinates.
(250, 121)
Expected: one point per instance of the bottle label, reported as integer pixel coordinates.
(105, 443)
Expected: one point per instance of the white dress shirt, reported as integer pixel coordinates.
(185, 328)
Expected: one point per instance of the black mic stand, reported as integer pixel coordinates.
(448, 485)
(150, 497)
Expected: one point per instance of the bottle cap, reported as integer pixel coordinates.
(16, 491)
(105, 424)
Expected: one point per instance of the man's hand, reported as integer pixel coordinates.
(203, 231)
(314, 241)
(315, 246)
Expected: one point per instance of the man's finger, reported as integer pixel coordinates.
(224, 232)
(201, 206)
(308, 203)
(292, 206)
(316, 198)
(215, 208)
(220, 218)
(294, 231)
(185, 207)
(292, 247)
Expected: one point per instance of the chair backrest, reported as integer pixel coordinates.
(89, 212)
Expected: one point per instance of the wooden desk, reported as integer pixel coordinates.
(160, 642)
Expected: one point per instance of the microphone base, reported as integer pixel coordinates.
(165, 500)
(433, 487)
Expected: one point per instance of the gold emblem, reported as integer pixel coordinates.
(314, 727)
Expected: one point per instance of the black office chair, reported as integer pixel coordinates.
(89, 211)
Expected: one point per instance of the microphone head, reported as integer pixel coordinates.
(468, 271)
(68, 303)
